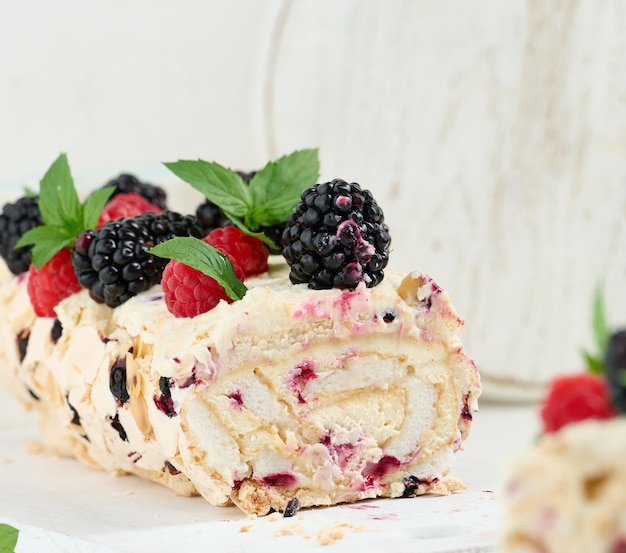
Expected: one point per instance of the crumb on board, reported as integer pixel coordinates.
(325, 536)
(34, 447)
(331, 534)
(245, 528)
(294, 529)
(7, 460)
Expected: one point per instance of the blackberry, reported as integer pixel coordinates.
(211, 217)
(117, 426)
(336, 238)
(56, 331)
(125, 184)
(291, 508)
(117, 381)
(615, 369)
(113, 262)
(15, 220)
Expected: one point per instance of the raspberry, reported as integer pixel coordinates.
(575, 398)
(126, 205)
(126, 183)
(52, 283)
(615, 369)
(15, 220)
(242, 249)
(188, 292)
(113, 262)
(336, 238)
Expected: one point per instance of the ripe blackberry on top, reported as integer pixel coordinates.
(15, 220)
(127, 184)
(113, 261)
(615, 368)
(337, 237)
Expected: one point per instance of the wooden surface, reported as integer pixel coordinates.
(492, 133)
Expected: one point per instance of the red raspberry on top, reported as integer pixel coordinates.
(188, 292)
(575, 398)
(243, 249)
(125, 205)
(52, 283)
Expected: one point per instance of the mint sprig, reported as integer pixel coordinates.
(64, 216)
(205, 258)
(8, 538)
(271, 196)
(601, 334)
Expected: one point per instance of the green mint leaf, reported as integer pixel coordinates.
(276, 188)
(47, 240)
(8, 538)
(595, 365)
(208, 260)
(223, 187)
(64, 217)
(94, 205)
(58, 200)
(601, 330)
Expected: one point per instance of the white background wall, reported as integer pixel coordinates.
(493, 133)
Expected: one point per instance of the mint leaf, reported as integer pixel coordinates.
(601, 334)
(601, 331)
(46, 240)
(64, 217)
(276, 188)
(94, 205)
(273, 193)
(205, 258)
(595, 365)
(223, 187)
(58, 200)
(8, 538)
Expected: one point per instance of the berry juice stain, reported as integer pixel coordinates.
(340, 453)
(386, 464)
(466, 413)
(280, 480)
(236, 399)
(303, 373)
(164, 401)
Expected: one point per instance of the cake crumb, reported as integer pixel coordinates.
(34, 447)
(274, 516)
(245, 528)
(292, 530)
(331, 534)
(7, 460)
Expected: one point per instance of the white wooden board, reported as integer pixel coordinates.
(61, 506)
